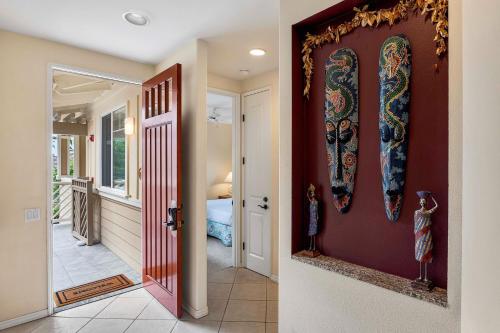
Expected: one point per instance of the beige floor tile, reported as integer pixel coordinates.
(25, 328)
(247, 276)
(272, 290)
(238, 310)
(219, 290)
(196, 327)
(151, 326)
(249, 291)
(223, 276)
(242, 327)
(124, 308)
(137, 293)
(216, 308)
(60, 325)
(272, 312)
(271, 327)
(86, 311)
(154, 310)
(106, 326)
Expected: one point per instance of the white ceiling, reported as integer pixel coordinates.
(231, 27)
(219, 108)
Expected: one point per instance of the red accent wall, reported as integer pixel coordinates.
(364, 235)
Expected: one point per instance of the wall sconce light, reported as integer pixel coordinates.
(129, 126)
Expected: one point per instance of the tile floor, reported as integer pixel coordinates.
(76, 265)
(239, 301)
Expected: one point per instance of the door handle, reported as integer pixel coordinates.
(172, 216)
(264, 207)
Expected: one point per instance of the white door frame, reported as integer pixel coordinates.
(236, 169)
(271, 198)
(50, 74)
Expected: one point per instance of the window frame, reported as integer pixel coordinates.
(110, 189)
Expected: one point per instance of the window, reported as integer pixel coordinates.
(113, 149)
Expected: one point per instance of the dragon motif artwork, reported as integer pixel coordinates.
(341, 122)
(394, 74)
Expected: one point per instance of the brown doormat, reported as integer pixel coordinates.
(92, 289)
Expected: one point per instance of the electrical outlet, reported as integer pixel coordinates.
(31, 215)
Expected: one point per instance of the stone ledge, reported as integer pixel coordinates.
(395, 283)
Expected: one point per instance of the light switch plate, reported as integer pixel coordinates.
(31, 215)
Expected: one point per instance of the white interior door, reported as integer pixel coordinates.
(257, 181)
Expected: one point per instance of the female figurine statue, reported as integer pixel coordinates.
(423, 237)
(313, 220)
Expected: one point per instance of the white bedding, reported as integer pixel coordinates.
(220, 211)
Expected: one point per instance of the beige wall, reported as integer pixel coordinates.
(23, 92)
(193, 57)
(481, 183)
(329, 302)
(270, 79)
(130, 96)
(220, 82)
(219, 158)
(121, 231)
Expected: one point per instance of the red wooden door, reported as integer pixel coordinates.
(161, 188)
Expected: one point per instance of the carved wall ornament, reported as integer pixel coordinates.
(342, 124)
(394, 75)
(437, 10)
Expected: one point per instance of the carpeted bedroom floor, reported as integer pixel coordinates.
(219, 256)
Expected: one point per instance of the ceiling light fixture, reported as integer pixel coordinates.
(257, 52)
(244, 71)
(135, 18)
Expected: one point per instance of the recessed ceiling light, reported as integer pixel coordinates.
(135, 18)
(244, 71)
(257, 52)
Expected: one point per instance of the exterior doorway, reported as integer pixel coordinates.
(94, 235)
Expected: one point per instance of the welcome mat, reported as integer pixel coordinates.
(92, 289)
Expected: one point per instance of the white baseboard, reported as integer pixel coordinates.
(274, 278)
(196, 314)
(23, 319)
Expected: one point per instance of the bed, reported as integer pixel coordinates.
(220, 220)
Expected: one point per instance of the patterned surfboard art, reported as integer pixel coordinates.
(341, 124)
(394, 74)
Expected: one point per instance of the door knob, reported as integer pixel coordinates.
(264, 207)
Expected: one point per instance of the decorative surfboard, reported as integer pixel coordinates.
(394, 74)
(341, 124)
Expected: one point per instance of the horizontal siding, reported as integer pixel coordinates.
(121, 231)
(130, 212)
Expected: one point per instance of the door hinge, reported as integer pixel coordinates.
(243, 246)
(243, 117)
(243, 203)
(243, 160)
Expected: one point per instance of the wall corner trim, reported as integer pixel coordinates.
(196, 314)
(274, 278)
(24, 319)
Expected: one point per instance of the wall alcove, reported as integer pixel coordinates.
(363, 237)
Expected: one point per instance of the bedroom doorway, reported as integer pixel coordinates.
(222, 181)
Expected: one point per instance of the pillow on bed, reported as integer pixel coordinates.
(220, 211)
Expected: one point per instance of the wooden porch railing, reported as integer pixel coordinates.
(82, 225)
(62, 209)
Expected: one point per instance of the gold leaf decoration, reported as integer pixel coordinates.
(437, 10)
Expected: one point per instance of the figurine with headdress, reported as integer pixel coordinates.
(312, 230)
(423, 239)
